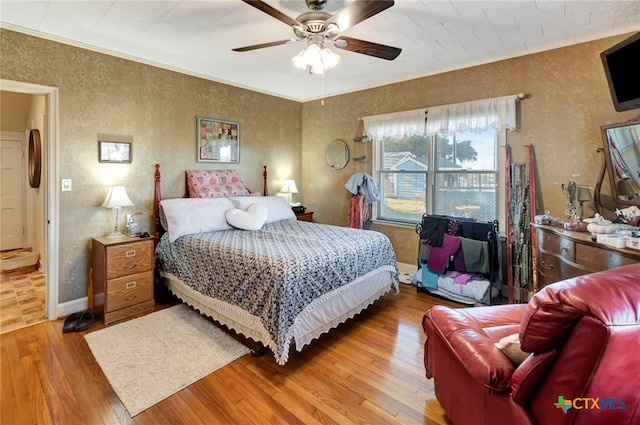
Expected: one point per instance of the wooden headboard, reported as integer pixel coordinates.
(157, 197)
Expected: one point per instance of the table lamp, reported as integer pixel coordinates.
(583, 196)
(116, 199)
(289, 187)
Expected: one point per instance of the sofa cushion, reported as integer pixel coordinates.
(553, 312)
(528, 376)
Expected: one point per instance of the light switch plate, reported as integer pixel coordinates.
(66, 185)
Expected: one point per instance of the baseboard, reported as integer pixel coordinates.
(79, 304)
(407, 268)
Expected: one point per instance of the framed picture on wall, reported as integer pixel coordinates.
(217, 140)
(114, 152)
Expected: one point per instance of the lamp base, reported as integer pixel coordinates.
(116, 235)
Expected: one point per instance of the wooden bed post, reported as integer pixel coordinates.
(265, 190)
(156, 204)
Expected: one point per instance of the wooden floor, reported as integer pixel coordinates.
(367, 371)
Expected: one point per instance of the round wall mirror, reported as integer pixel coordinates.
(337, 154)
(35, 158)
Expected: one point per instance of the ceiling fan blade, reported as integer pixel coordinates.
(260, 5)
(367, 48)
(357, 11)
(263, 45)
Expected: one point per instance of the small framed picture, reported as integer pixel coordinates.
(114, 152)
(217, 141)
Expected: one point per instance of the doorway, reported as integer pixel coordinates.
(48, 217)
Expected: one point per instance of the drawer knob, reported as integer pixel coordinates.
(131, 298)
(130, 253)
(549, 267)
(130, 285)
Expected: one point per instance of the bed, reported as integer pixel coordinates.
(282, 283)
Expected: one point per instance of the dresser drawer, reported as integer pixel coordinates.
(599, 259)
(564, 254)
(128, 291)
(127, 259)
(549, 269)
(553, 269)
(550, 242)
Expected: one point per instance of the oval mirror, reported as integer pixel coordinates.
(337, 154)
(35, 160)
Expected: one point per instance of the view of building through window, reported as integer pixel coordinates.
(450, 175)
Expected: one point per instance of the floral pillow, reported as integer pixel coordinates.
(215, 184)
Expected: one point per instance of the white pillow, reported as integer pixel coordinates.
(186, 216)
(277, 207)
(510, 346)
(251, 219)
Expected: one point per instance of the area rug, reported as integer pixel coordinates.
(150, 358)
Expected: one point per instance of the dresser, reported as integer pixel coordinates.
(305, 216)
(561, 254)
(123, 269)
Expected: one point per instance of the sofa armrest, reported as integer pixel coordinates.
(476, 352)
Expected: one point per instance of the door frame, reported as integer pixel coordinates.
(52, 206)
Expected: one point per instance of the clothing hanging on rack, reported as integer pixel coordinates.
(460, 249)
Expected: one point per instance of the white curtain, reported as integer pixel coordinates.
(499, 112)
(397, 124)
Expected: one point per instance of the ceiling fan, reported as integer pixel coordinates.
(318, 27)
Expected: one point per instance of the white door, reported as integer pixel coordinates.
(11, 195)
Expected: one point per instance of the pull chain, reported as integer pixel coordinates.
(322, 92)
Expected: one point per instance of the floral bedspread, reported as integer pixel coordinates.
(275, 272)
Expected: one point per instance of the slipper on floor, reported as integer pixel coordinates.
(87, 319)
(71, 321)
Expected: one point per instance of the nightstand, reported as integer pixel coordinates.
(123, 268)
(305, 216)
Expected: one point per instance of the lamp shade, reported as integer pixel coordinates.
(584, 194)
(627, 187)
(117, 198)
(289, 187)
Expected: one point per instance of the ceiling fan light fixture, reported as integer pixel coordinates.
(316, 59)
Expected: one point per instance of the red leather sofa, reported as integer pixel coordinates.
(584, 368)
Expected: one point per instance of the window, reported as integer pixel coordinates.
(449, 175)
(455, 170)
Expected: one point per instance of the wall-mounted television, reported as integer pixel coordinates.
(621, 67)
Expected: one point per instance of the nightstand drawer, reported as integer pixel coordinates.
(127, 291)
(127, 259)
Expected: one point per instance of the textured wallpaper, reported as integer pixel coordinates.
(156, 110)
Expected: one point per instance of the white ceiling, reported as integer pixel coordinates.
(196, 37)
